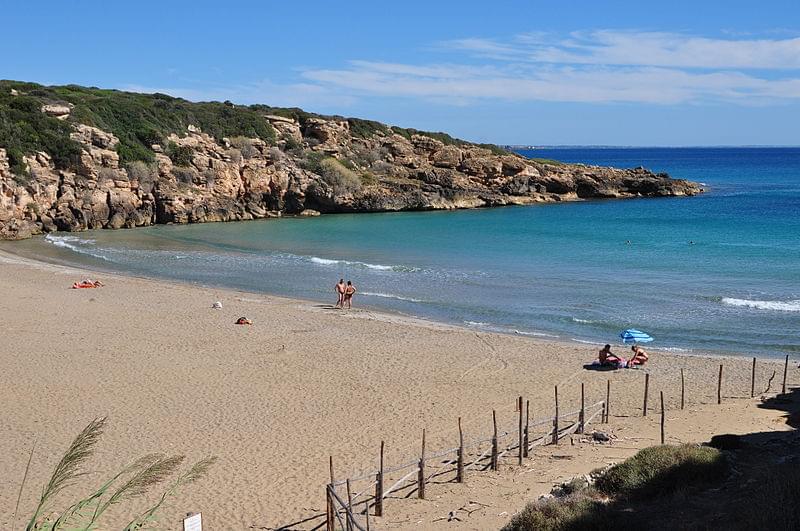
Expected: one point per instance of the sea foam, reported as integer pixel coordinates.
(782, 306)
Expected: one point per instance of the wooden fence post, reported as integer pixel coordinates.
(646, 390)
(608, 400)
(329, 497)
(379, 488)
(582, 418)
(719, 385)
(328, 508)
(662, 417)
(555, 420)
(683, 388)
(753, 380)
(785, 370)
(519, 454)
(527, 426)
(348, 516)
(460, 465)
(421, 473)
(494, 441)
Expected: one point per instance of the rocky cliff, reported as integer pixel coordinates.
(310, 165)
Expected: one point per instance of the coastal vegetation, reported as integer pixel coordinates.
(132, 482)
(91, 158)
(672, 487)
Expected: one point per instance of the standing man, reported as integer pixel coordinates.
(340, 289)
(349, 291)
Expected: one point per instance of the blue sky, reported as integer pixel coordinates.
(616, 73)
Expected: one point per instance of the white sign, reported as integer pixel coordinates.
(193, 523)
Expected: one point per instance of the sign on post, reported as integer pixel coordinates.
(193, 523)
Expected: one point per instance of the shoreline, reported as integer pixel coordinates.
(386, 314)
(275, 400)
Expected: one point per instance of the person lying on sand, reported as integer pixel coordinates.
(87, 283)
(639, 356)
(243, 321)
(608, 358)
(340, 288)
(349, 291)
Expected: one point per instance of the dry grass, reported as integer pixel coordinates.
(132, 482)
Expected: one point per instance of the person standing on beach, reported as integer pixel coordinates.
(340, 288)
(349, 291)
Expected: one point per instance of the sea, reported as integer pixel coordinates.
(715, 273)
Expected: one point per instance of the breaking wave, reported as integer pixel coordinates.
(73, 243)
(363, 265)
(390, 296)
(781, 306)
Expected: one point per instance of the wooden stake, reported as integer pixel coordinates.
(460, 467)
(329, 509)
(527, 427)
(494, 441)
(348, 516)
(608, 400)
(555, 421)
(662, 417)
(329, 496)
(519, 454)
(646, 390)
(785, 370)
(753, 380)
(379, 488)
(719, 385)
(421, 474)
(582, 417)
(683, 388)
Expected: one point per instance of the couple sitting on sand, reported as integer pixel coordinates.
(345, 292)
(609, 359)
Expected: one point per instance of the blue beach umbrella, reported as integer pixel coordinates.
(631, 335)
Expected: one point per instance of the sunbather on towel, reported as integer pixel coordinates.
(87, 283)
(608, 358)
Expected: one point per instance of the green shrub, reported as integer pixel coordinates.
(138, 120)
(663, 469)
(245, 146)
(576, 511)
(366, 128)
(340, 178)
(311, 161)
(179, 155)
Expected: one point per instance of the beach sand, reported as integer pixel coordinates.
(274, 400)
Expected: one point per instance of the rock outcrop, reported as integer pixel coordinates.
(317, 166)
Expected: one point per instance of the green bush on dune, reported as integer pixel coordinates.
(654, 473)
(663, 469)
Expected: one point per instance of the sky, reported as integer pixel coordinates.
(676, 73)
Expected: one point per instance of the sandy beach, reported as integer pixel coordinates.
(274, 400)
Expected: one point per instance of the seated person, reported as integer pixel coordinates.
(639, 355)
(609, 358)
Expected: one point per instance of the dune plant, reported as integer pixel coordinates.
(132, 482)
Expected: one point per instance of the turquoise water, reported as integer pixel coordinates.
(718, 272)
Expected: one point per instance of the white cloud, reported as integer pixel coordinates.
(515, 82)
(592, 67)
(632, 48)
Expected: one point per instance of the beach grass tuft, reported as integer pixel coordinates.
(133, 481)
